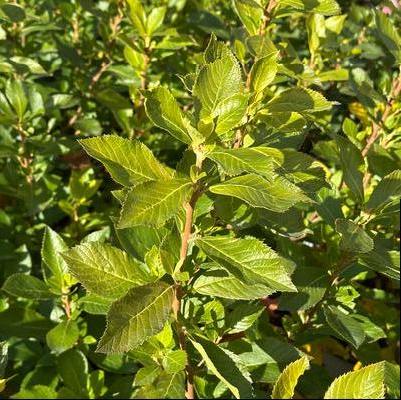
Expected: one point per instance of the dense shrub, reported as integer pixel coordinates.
(199, 198)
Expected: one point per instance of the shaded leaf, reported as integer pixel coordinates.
(224, 365)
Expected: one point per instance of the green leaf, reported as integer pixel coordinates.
(258, 160)
(164, 112)
(250, 13)
(298, 100)
(63, 336)
(243, 316)
(392, 380)
(14, 12)
(352, 165)
(155, 19)
(325, 7)
(174, 361)
(137, 16)
(345, 326)
(217, 82)
(288, 379)
(277, 195)
(383, 261)
(135, 317)
(154, 203)
(36, 392)
(354, 238)
(224, 365)
(54, 265)
(164, 386)
(33, 66)
(218, 282)
(129, 162)
(23, 323)
(230, 112)
(73, 369)
(16, 96)
(386, 192)
(389, 35)
(366, 383)
(262, 73)
(95, 304)
(105, 270)
(135, 59)
(26, 286)
(311, 283)
(249, 260)
(261, 46)
(6, 112)
(372, 331)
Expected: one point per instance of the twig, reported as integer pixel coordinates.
(176, 306)
(267, 15)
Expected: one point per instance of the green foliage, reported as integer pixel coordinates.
(234, 232)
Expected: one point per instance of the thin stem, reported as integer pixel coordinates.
(178, 294)
(267, 15)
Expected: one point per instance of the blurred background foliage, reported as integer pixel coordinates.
(75, 69)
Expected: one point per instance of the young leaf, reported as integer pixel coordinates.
(262, 73)
(250, 13)
(366, 383)
(155, 19)
(54, 266)
(258, 160)
(164, 112)
(27, 286)
(129, 162)
(138, 16)
(154, 203)
(216, 82)
(249, 260)
(105, 270)
(288, 379)
(224, 365)
(345, 326)
(277, 195)
(135, 317)
(354, 238)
